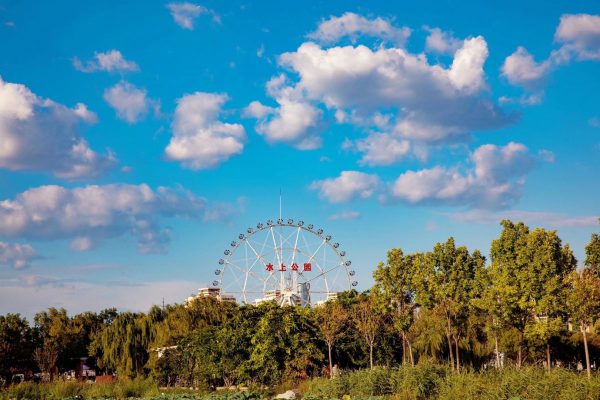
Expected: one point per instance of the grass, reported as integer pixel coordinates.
(429, 382)
(423, 382)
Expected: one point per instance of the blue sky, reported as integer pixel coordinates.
(138, 139)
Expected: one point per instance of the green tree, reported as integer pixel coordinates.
(331, 319)
(367, 321)
(394, 288)
(16, 344)
(445, 278)
(583, 298)
(592, 253)
(528, 272)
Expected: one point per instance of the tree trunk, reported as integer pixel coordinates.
(330, 362)
(450, 351)
(457, 355)
(403, 348)
(371, 355)
(586, 350)
(520, 351)
(497, 350)
(410, 352)
(548, 359)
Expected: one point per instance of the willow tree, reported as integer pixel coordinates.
(394, 289)
(124, 344)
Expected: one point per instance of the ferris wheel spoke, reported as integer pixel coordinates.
(246, 271)
(323, 273)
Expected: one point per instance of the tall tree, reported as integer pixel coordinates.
(592, 253)
(547, 263)
(394, 288)
(367, 320)
(16, 344)
(331, 319)
(445, 279)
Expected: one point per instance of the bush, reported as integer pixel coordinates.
(430, 382)
(404, 383)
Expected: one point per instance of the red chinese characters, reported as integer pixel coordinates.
(269, 267)
(307, 267)
(294, 267)
(282, 267)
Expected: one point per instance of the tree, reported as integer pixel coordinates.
(393, 287)
(331, 318)
(548, 264)
(124, 344)
(592, 253)
(583, 299)
(367, 322)
(445, 278)
(16, 344)
(528, 272)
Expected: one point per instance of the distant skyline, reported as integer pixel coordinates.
(138, 139)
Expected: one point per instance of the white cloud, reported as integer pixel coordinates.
(549, 219)
(295, 121)
(110, 61)
(524, 100)
(345, 215)
(92, 213)
(130, 102)
(521, 69)
(185, 14)
(348, 186)
(494, 181)
(199, 139)
(380, 149)
(41, 135)
(432, 103)
(441, 42)
(352, 25)
(16, 255)
(580, 34)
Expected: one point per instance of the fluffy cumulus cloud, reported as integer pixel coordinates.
(39, 134)
(16, 255)
(439, 41)
(199, 139)
(520, 68)
(352, 25)
(580, 34)
(579, 39)
(348, 186)
(423, 101)
(295, 121)
(87, 215)
(495, 180)
(380, 149)
(130, 103)
(110, 61)
(185, 14)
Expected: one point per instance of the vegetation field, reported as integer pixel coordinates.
(423, 382)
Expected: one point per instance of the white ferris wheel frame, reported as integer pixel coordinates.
(270, 283)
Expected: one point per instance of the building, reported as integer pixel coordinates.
(210, 292)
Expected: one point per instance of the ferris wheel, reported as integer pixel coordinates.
(289, 262)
